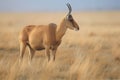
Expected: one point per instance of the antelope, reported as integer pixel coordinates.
(45, 37)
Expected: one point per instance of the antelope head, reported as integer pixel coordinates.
(70, 22)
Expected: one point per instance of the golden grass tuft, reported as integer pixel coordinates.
(95, 67)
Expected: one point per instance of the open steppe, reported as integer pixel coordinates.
(92, 53)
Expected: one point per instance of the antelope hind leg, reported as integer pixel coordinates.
(31, 53)
(22, 50)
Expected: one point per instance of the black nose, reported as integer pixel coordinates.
(78, 28)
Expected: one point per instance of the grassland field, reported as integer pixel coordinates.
(92, 53)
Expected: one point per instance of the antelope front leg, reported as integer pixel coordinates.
(47, 52)
(54, 54)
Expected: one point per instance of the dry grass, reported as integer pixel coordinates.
(93, 53)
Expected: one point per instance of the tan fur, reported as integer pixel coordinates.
(48, 37)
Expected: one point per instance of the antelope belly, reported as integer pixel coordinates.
(37, 47)
(37, 44)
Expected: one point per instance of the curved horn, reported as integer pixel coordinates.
(69, 7)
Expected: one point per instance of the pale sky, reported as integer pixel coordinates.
(57, 5)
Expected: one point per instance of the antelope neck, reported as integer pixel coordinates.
(61, 29)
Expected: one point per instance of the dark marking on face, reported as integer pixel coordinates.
(70, 18)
